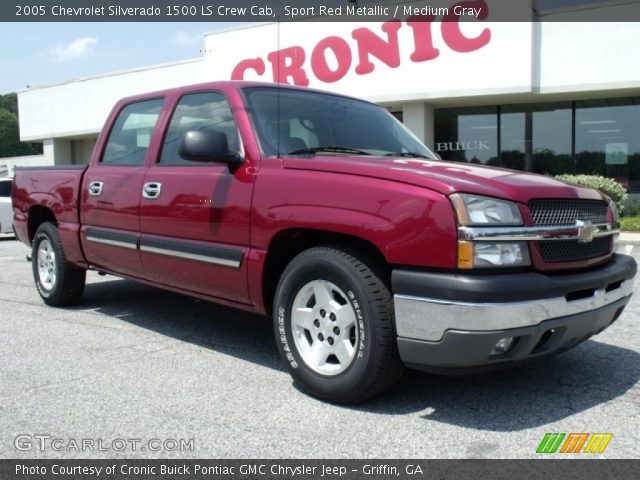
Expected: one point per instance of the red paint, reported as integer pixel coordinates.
(287, 63)
(399, 206)
(290, 65)
(255, 64)
(115, 210)
(423, 39)
(342, 53)
(388, 51)
(454, 37)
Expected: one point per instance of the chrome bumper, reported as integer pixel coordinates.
(428, 319)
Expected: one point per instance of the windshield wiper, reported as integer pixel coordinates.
(407, 154)
(328, 148)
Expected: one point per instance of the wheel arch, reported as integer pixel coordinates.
(288, 243)
(38, 215)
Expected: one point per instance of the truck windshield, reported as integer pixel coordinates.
(292, 122)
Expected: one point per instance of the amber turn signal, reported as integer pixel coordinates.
(465, 255)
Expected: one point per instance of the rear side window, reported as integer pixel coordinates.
(131, 133)
(5, 189)
(198, 111)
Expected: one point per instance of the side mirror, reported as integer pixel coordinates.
(208, 146)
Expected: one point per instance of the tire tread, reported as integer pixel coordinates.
(71, 280)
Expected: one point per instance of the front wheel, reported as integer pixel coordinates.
(334, 326)
(58, 282)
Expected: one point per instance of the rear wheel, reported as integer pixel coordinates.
(58, 282)
(333, 321)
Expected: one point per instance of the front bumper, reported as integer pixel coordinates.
(450, 323)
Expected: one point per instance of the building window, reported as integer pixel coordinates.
(398, 114)
(608, 140)
(536, 138)
(540, 137)
(467, 134)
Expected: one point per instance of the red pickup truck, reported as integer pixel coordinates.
(326, 213)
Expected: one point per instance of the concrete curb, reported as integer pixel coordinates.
(629, 238)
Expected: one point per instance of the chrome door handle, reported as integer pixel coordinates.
(95, 188)
(151, 190)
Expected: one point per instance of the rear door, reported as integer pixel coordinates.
(194, 217)
(112, 188)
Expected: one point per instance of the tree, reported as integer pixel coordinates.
(9, 102)
(10, 144)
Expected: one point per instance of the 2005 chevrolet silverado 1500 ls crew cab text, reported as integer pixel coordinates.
(328, 214)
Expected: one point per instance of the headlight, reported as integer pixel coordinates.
(614, 211)
(615, 216)
(474, 210)
(492, 255)
(478, 211)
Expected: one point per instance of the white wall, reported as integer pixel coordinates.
(7, 164)
(60, 151)
(579, 57)
(81, 107)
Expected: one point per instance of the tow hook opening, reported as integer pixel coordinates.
(545, 342)
(613, 286)
(580, 294)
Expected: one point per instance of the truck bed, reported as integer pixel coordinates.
(56, 189)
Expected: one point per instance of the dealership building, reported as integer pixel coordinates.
(545, 96)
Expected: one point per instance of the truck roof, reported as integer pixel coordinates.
(229, 83)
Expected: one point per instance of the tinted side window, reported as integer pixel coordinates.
(198, 111)
(5, 189)
(131, 133)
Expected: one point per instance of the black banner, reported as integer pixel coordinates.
(320, 469)
(322, 10)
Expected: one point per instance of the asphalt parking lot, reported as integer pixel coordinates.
(137, 363)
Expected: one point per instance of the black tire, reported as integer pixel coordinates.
(375, 366)
(68, 286)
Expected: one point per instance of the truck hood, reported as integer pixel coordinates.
(446, 177)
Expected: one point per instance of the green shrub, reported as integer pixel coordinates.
(608, 186)
(632, 211)
(630, 224)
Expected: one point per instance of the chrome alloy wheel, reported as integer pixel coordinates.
(46, 264)
(323, 324)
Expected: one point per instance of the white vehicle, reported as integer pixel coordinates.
(6, 210)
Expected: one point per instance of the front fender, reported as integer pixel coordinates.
(410, 225)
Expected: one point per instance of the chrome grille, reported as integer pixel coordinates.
(566, 212)
(571, 251)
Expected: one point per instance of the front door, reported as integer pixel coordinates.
(194, 216)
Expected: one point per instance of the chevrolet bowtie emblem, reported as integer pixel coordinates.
(586, 231)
